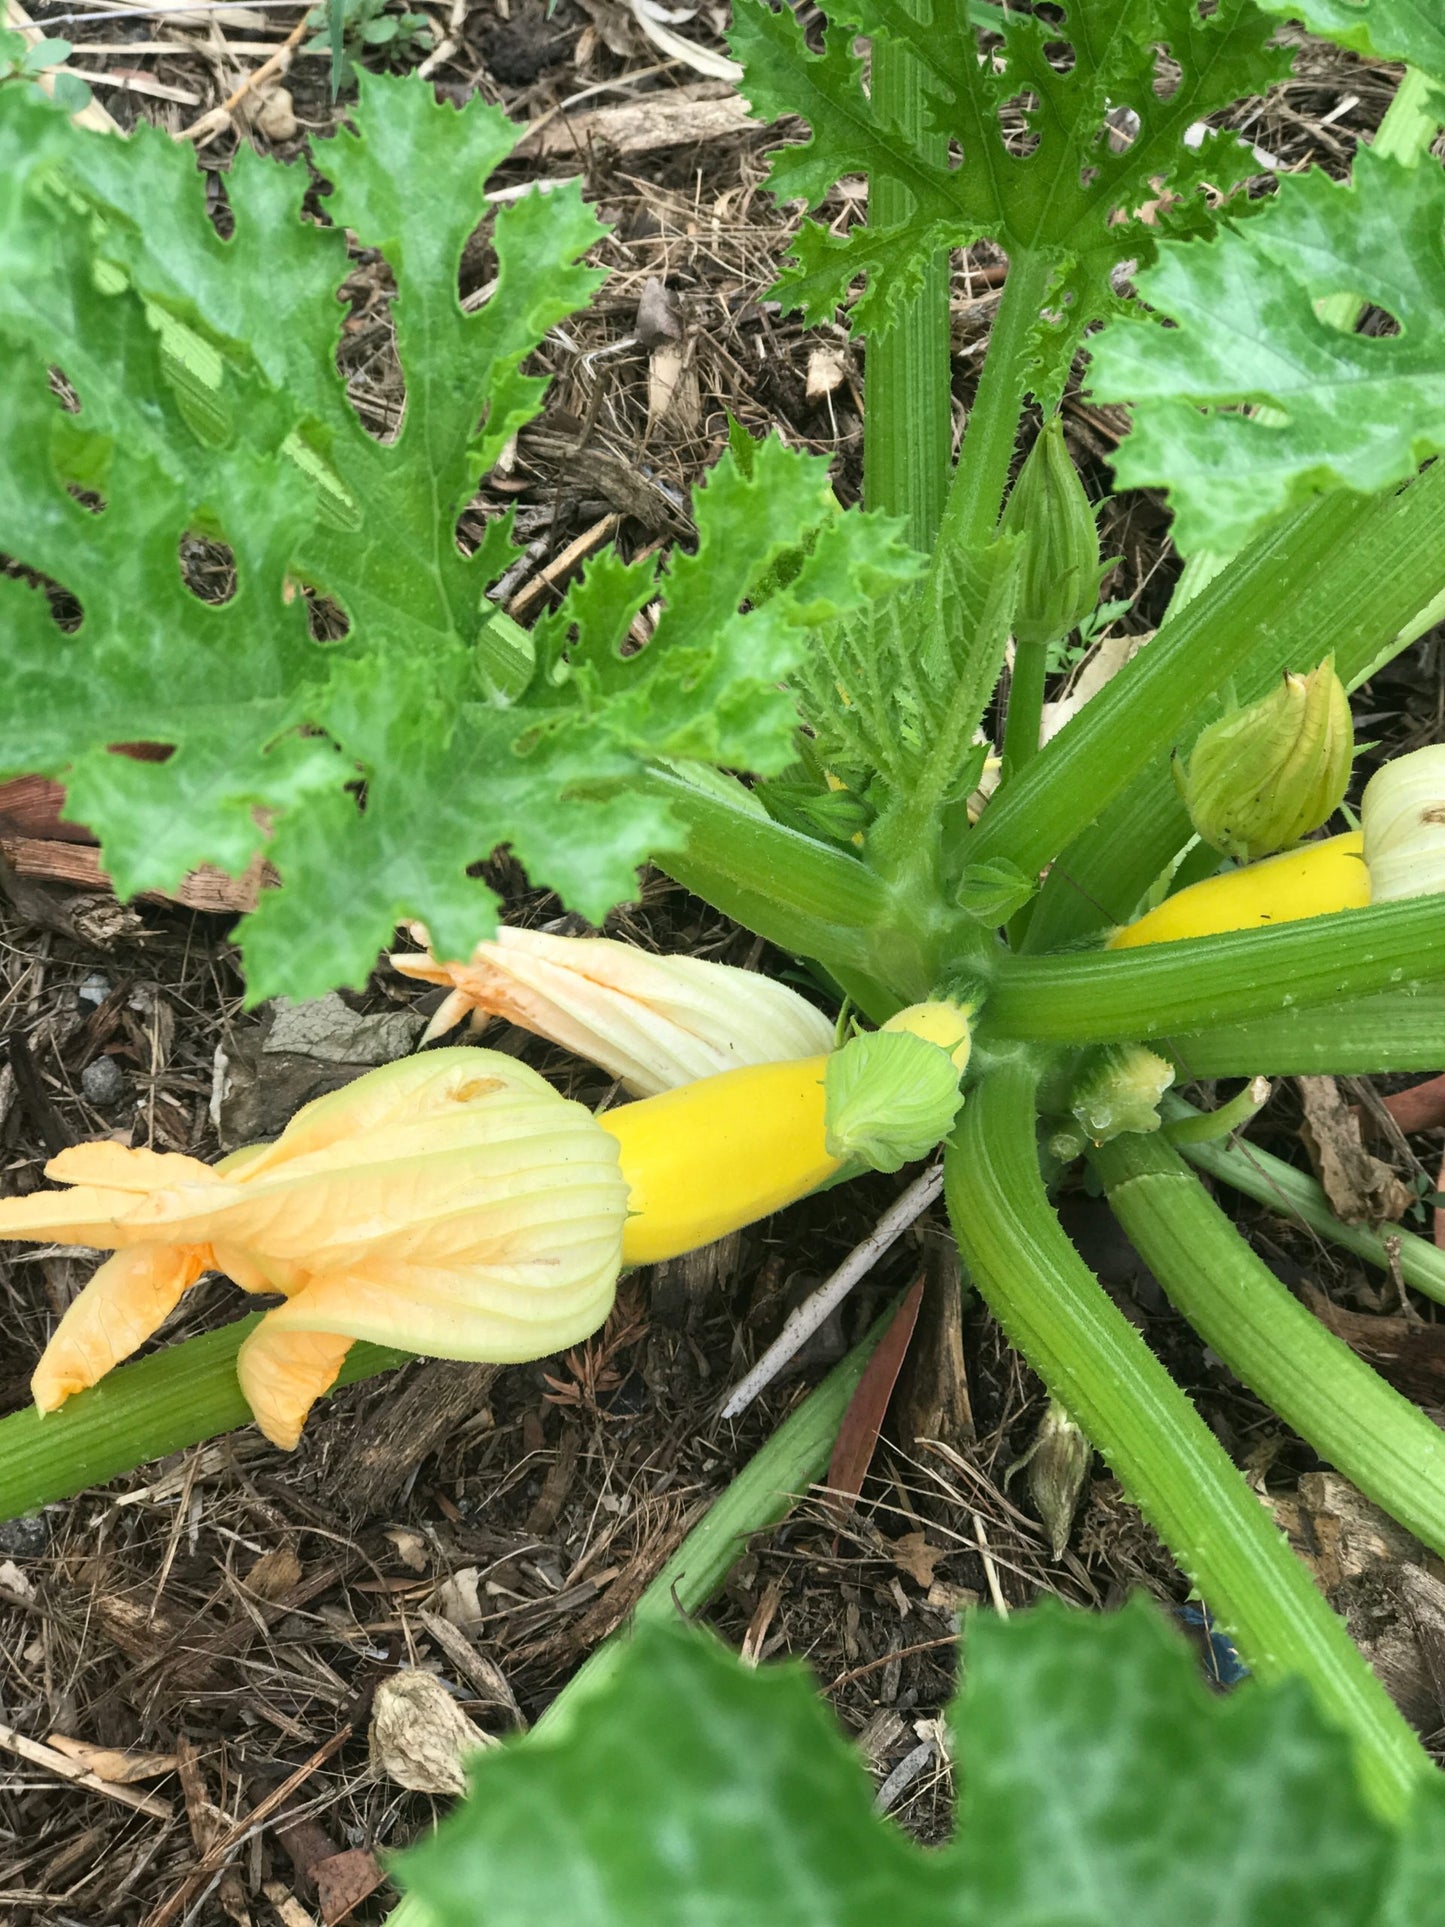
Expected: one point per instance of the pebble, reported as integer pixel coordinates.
(25, 1537)
(103, 1081)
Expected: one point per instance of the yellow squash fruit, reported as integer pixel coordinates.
(708, 1158)
(1307, 882)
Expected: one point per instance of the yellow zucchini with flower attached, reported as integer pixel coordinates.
(707, 1158)
(1308, 882)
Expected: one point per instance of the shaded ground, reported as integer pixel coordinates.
(237, 1607)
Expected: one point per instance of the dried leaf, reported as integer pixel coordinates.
(826, 369)
(274, 1574)
(913, 1554)
(344, 1881)
(458, 1597)
(419, 1736)
(1361, 1189)
(108, 1764)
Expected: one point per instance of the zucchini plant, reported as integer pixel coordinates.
(845, 671)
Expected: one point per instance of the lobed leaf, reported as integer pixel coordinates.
(1345, 410)
(375, 771)
(1105, 136)
(1100, 1783)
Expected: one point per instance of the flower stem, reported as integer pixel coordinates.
(1294, 1194)
(1332, 1398)
(1025, 707)
(1099, 1368)
(173, 1399)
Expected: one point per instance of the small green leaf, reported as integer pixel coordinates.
(1344, 410)
(994, 890)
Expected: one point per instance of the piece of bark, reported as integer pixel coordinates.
(857, 1439)
(639, 127)
(416, 1415)
(344, 1880)
(1421, 1107)
(1411, 1355)
(932, 1400)
(1360, 1187)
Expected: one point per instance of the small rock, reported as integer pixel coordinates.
(103, 1082)
(95, 989)
(25, 1537)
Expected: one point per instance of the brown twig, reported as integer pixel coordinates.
(219, 118)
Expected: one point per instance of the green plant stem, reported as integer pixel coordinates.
(975, 499)
(1112, 996)
(1332, 1398)
(1209, 1127)
(795, 891)
(1342, 574)
(1400, 1030)
(164, 1403)
(1024, 718)
(1294, 1194)
(1104, 1375)
(907, 391)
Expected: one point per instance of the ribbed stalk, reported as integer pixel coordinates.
(907, 389)
(990, 436)
(1341, 575)
(1099, 1368)
(1379, 1440)
(1400, 1030)
(1294, 1194)
(1163, 989)
(160, 1404)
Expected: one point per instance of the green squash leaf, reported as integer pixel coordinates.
(1346, 410)
(1411, 30)
(1100, 1783)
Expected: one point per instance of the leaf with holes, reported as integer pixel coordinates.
(1345, 409)
(1104, 138)
(205, 416)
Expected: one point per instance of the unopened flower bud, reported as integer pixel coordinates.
(1260, 780)
(1058, 1464)
(939, 1022)
(1119, 1090)
(891, 1096)
(1060, 571)
(1403, 818)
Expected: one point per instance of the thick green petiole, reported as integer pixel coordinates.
(908, 403)
(175, 1398)
(1101, 1371)
(1400, 1030)
(1379, 1440)
(1165, 989)
(1294, 1194)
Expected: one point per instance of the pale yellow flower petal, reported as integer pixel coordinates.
(653, 1022)
(127, 1299)
(283, 1373)
(119, 1167)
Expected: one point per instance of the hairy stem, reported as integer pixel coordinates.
(1099, 1368)
(1101, 997)
(1025, 708)
(908, 419)
(1399, 1030)
(980, 480)
(1379, 1440)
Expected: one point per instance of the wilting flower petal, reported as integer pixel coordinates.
(452, 1203)
(653, 1022)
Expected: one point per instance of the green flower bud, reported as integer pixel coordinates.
(1262, 778)
(1403, 818)
(1058, 1464)
(1060, 573)
(891, 1097)
(1119, 1090)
